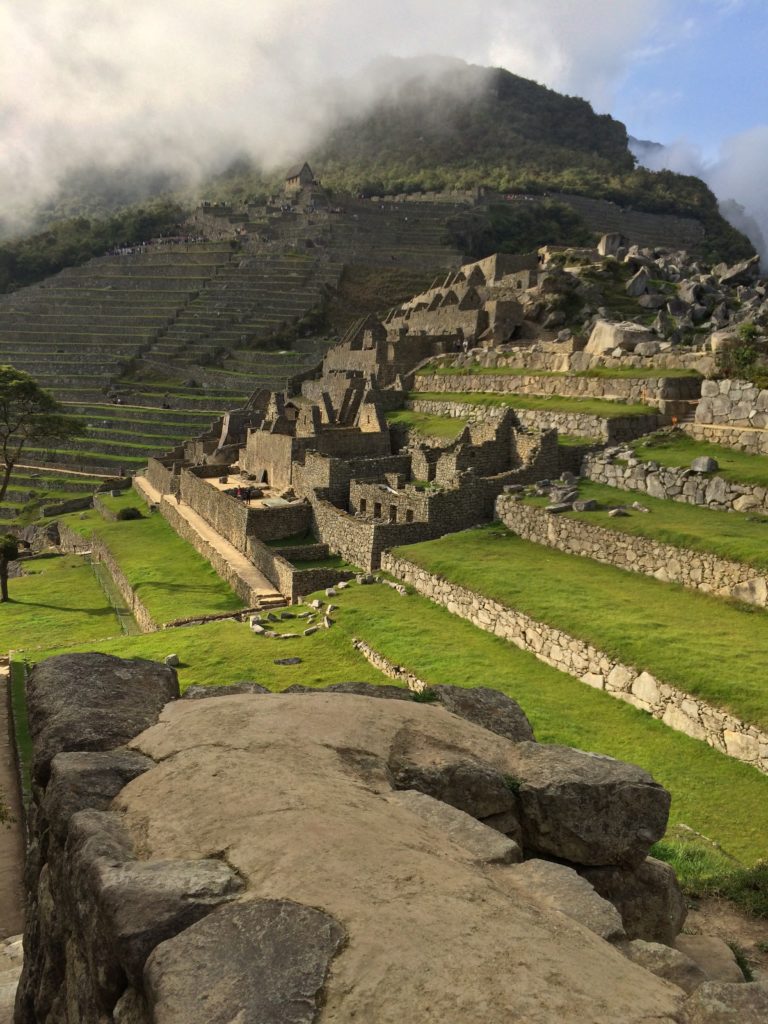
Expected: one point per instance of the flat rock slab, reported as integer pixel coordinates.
(254, 962)
(721, 1003)
(92, 702)
(667, 963)
(484, 843)
(714, 956)
(561, 888)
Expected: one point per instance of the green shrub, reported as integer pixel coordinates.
(129, 513)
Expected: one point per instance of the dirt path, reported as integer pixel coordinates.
(11, 838)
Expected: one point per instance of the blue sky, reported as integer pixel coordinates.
(702, 75)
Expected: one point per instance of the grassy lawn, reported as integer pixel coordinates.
(574, 441)
(169, 576)
(715, 649)
(717, 796)
(589, 406)
(635, 373)
(677, 449)
(445, 427)
(734, 535)
(59, 602)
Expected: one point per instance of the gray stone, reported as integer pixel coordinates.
(617, 513)
(287, 661)
(254, 962)
(587, 808)
(648, 898)
(131, 1008)
(647, 348)
(705, 464)
(203, 692)
(719, 1003)
(667, 963)
(370, 690)
(92, 702)
(487, 845)
(588, 505)
(638, 284)
(310, 630)
(561, 888)
(146, 902)
(81, 780)
(488, 708)
(171, 660)
(713, 955)
(563, 506)
(471, 786)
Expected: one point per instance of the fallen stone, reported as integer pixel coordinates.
(667, 963)
(310, 630)
(648, 898)
(254, 962)
(342, 585)
(705, 464)
(287, 615)
(485, 844)
(258, 629)
(713, 955)
(586, 808)
(588, 505)
(327, 622)
(171, 660)
(488, 708)
(722, 1003)
(330, 592)
(316, 604)
(561, 888)
(639, 508)
(287, 661)
(563, 506)
(90, 702)
(618, 513)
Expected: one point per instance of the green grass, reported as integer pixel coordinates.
(714, 649)
(171, 579)
(704, 871)
(711, 793)
(445, 427)
(59, 602)
(677, 449)
(733, 535)
(636, 373)
(331, 562)
(586, 406)
(297, 540)
(574, 441)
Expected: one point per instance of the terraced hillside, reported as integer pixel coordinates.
(128, 342)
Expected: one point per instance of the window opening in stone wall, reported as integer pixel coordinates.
(363, 506)
(409, 515)
(393, 513)
(377, 510)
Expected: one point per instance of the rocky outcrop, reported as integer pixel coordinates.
(297, 858)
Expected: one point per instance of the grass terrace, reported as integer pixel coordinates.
(714, 649)
(737, 536)
(678, 449)
(602, 372)
(447, 428)
(601, 407)
(713, 794)
(171, 579)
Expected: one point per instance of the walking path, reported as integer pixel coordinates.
(258, 583)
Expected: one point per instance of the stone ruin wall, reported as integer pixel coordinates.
(650, 392)
(676, 483)
(733, 413)
(293, 582)
(676, 709)
(698, 570)
(578, 424)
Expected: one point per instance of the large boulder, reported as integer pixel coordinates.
(92, 702)
(719, 1003)
(587, 808)
(488, 708)
(648, 898)
(667, 963)
(607, 336)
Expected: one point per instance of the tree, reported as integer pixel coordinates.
(28, 414)
(9, 552)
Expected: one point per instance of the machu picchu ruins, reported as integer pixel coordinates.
(383, 563)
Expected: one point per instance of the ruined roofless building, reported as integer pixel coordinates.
(298, 178)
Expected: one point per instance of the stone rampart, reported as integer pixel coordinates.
(732, 413)
(675, 483)
(649, 391)
(579, 424)
(697, 570)
(677, 709)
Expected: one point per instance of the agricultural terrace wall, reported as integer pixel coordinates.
(733, 413)
(292, 582)
(650, 392)
(639, 228)
(696, 570)
(615, 429)
(563, 357)
(675, 708)
(675, 483)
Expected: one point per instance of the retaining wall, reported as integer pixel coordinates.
(675, 483)
(697, 570)
(614, 430)
(677, 709)
(733, 413)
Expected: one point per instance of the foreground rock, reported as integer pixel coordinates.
(267, 858)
